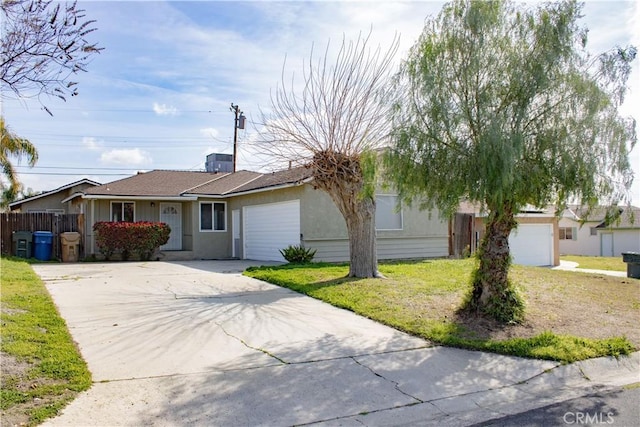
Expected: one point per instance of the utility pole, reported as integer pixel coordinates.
(237, 124)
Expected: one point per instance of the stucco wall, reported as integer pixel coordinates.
(54, 201)
(323, 228)
(209, 244)
(583, 243)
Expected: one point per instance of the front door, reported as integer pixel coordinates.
(607, 244)
(171, 214)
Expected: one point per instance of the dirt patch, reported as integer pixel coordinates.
(17, 378)
(14, 372)
(570, 303)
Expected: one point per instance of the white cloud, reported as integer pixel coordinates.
(212, 132)
(91, 143)
(129, 157)
(165, 110)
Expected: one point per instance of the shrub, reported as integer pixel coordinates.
(298, 254)
(141, 238)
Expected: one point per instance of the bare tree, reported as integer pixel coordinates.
(333, 123)
(43, 45)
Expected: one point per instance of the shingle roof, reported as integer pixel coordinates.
(167, 183)
(225, 184)
(275, 179)
(622, 218)
(17, 203)
(155, 183)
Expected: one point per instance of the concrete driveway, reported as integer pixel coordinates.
(197, 343)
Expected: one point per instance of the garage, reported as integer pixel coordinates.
(532, 244)
(269, 228)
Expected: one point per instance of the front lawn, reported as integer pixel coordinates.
(569, 316)
(42, 368)
(597, 262)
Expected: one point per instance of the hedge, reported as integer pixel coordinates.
(126, 238)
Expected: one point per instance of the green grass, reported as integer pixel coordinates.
(421, 298)
(597, 262)
(34, 333)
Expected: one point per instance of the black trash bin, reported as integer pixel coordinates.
(633, 264)
(22, 241)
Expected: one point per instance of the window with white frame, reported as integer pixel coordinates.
(123, 211)
(213, 216)
(388, 217)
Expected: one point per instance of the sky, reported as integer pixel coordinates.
(159, 95)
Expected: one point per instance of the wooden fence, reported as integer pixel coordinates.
(461, 235)
(40, 221)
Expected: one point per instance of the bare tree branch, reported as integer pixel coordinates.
(43, 45)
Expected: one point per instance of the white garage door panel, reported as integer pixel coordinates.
(269, 228)
(532, 244)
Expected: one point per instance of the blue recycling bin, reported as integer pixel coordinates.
(42, 244)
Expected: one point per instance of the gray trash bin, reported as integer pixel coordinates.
(22, 241)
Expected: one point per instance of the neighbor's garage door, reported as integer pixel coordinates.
(269, 228)
(532, 244)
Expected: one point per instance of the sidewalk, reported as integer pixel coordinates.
(573, 266)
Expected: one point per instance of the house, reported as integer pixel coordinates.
(594, 233)
(533, 242)
(252, 215)
(61, 200)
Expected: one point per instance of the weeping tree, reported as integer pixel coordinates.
(44, 44)
(332, 121)
(13, 147)
(505, 107)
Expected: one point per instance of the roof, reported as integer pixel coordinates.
(277, 179)
(17, 203)
(582, 213)
(622, 218)
(628, 218)
(172, 184)
(157, 183)
(468, 207)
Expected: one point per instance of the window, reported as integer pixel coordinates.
(213, 216)
(122, 211)
(566, 233)
(387, 215)
(593, 231)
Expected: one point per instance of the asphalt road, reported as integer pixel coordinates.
(615, 408)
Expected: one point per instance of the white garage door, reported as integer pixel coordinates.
(269, 228)
(532, 244)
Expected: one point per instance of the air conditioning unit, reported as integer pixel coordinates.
(217, 162)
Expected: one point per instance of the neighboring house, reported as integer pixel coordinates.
(594, 234)
(252, 215)
(533, 242)
(61, 200)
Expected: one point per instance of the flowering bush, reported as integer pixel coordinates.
(126, 238)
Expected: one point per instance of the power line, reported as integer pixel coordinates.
(73, 174)
(77, 168)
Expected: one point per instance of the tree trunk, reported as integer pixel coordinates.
(341, 177)
(492, 293)
(359, 213)
(361, 227)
